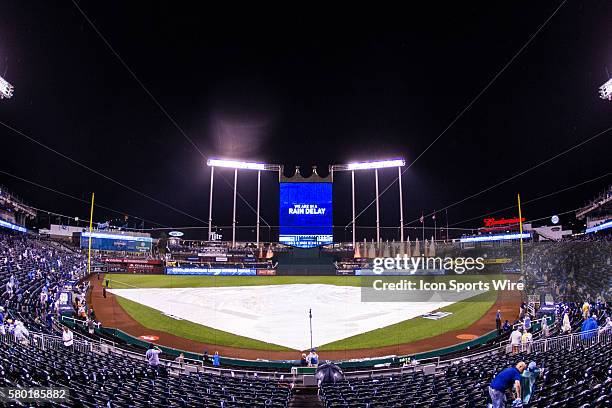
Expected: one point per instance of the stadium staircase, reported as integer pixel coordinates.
(305, 397)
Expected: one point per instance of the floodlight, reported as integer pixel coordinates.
(605, 91)
(376, 164)
(6, 89)
(235, 164)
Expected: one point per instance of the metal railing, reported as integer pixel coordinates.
(564, 341)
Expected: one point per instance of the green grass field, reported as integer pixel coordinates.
(464, 313)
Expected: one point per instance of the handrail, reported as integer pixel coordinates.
(43, 341)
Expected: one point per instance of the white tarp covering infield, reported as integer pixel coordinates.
(278, 314)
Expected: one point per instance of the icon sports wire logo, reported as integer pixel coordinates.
(458, 265)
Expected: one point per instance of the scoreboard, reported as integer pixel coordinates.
(115, 242)
(306, 214)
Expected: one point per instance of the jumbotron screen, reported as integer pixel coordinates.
(306, 214)
(110, 242)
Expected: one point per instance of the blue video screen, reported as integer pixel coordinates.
(109, 242)
(305, 214)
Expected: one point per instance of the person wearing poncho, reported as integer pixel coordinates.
(588, 328)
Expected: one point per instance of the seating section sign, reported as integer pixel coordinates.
(305, 214)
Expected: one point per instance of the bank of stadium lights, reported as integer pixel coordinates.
(6, 89)
(375, 165)
(236, 165)
(605, 91)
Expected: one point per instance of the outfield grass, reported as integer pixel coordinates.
(180, 281)
(155, 320)
(463, 313)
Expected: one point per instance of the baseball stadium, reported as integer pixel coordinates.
(171, 246)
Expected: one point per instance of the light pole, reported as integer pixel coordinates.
(234, 213)
(377, 208)
(353, 191)
(210, 202)
(399, 178)
(258, 199)
(237, 165)
(374, 165)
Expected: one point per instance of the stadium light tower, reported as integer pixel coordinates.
(6, 89)
(605, 91)
(236, 165)
(375, 165)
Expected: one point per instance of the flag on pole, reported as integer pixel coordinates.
(434, 216)
(422, 219)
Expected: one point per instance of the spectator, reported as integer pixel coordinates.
(545, 329)
(90, 325)
(20, 332)
(527, 323)
(515, 340)
(49, 320)
(527, 340)
(498, 321)
(180, 360)
(303, 362)
(585, 310)
(312, 358)
(506, 327)
(503, 381)
(216, 362)
(205, 358)
(566, 327)
(152, 356)
(528, 380)
(67, 338)
(607, 325)
(588, 328)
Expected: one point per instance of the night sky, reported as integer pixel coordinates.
(305, 86)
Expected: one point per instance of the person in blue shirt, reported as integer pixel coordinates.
(503, 381)
(588, 328)
(527, 323)
(506, 327)
(216, 362)
(152, 356)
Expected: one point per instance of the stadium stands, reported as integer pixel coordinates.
(580, 375)
(98, 380)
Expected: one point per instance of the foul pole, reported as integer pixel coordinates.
(90, 231)
(520, 228)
